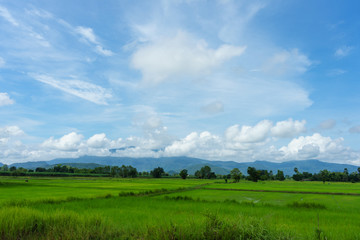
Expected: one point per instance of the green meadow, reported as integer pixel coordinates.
(104, 208)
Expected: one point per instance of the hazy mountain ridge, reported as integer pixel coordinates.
(192, 164)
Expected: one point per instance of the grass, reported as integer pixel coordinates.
(292, 186)
(174, 209)
(27, 223)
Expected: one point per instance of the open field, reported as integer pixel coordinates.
(86, 208)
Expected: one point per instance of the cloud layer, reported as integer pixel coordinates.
(238, 143)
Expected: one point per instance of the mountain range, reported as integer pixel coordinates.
(175, 164)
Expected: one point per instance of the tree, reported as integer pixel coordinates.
(157, 172)
(183, 173)
(254, 175)
(280, 176)
(296, 170)
(5, 168)
(235, 174)
(324, 175)
(13, 168)
(40, 169)
(205, 172)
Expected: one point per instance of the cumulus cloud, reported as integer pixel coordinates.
(98, 141)
(288, 128)
(198, 145)
(312, 147)
(69, 142)
(287, 62)
(10, 131)
(88, 35)
(248, 134)
(82, 89)
(213, 108)
(182, 55)
(154, 132)
(239, 143)
(5, 99)
(328, 124)
(343, 51)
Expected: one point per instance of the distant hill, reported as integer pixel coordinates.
(31, 165)
(81, 165)
(1, 164)
(218, 170)
(176, 164)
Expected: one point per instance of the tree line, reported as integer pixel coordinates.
(328, 176)
(205, 172)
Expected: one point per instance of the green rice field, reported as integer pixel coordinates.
(104, 208)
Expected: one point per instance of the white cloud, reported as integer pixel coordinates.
(242, 144)
(328, 124)
(69, 142)
(287, 62)
(315, 146)
(84, 90)
(7, 16)
(197, 145)
(5, 99)
(102, 51)
(180, 56)
(10, 131)
(89, 35)
(248, 134)
(343, 51)
(98, 141)
(288, 128)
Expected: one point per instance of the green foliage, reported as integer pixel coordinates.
(157, 172)
(123, 171)
(4, 168)
(236, 174)
(254, 175)
(280, 176)
(183, 173)
(205, 173)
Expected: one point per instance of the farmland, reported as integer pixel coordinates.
(103, 208)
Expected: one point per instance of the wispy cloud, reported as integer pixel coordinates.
(336, 72)
(343, 51)
(288, 62)
(7, 16)
(81, 89)
(89, 35)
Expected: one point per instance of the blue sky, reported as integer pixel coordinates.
(225, 80)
